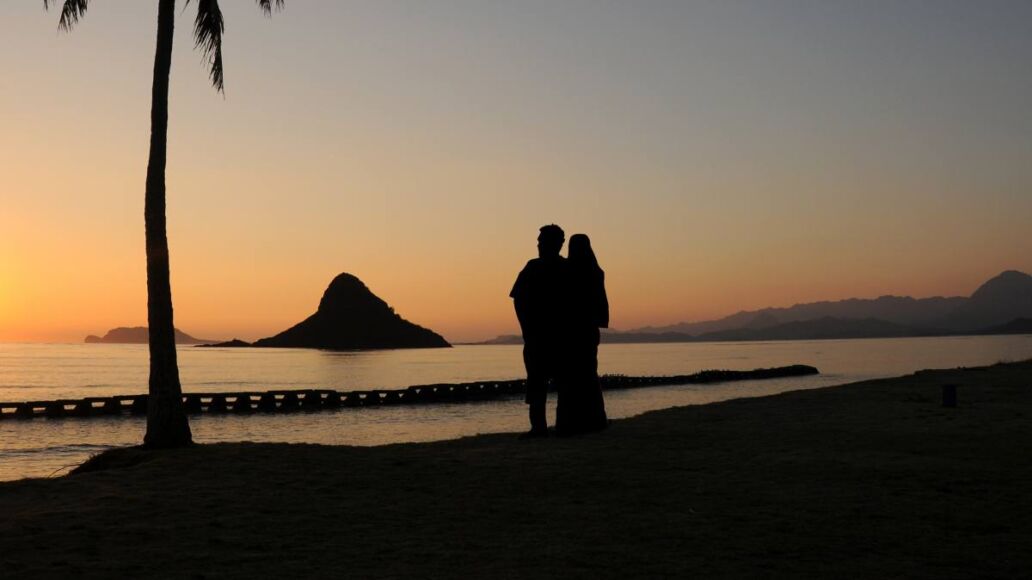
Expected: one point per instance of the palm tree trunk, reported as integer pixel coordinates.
(167, 425)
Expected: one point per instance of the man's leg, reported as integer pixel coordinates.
(537, 395)
(568, 405)
(537, 390)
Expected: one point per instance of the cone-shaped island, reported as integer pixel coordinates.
(351, 317)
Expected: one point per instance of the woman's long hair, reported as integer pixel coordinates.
(581, 254)
(582, 259)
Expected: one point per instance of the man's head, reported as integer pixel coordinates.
(550, 241)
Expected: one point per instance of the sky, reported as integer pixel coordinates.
(722, 156)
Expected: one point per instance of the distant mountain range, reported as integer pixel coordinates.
(138, 335)
(1003, 305)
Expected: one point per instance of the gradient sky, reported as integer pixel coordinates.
(722, 155)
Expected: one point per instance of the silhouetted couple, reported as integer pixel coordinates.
(561, 304)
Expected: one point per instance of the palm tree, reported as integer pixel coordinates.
(167, 425)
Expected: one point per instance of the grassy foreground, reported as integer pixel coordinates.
(872, 480)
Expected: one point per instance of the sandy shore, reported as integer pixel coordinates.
(868, 480)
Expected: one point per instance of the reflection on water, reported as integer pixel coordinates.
(40, 447)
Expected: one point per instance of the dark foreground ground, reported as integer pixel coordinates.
(870, 480)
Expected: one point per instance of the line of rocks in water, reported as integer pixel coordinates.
(284, 401)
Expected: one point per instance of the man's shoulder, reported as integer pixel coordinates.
(533, 264)
(550, 261)
(545, 267)
(526, 276)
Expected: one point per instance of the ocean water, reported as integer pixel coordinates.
(43, 447)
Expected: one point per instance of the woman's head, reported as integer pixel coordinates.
(580, 250)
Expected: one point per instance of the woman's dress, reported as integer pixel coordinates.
(581, 405)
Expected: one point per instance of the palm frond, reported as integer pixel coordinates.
(266, 6)
(72, 11)
(208, 29)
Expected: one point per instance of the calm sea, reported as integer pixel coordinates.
(42, 447)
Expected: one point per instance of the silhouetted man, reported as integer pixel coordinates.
(539, 296)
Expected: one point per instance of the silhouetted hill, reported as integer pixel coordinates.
(503, 339)
(763, 320)
(636, 337)
(1001, 299)
(235, 343)
(998, 301)
(350, 317)
(820, 329)
(1016, 326)
(607, 337)
(138, 335)
(901, 310)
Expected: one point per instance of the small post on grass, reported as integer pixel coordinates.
(949, 396)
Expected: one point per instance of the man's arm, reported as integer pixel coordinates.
(519, 298)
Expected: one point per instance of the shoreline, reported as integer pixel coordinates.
(866, 479)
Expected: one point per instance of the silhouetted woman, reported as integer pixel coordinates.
(585, 409)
